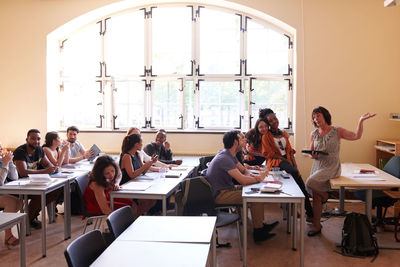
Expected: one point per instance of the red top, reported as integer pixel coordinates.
(92, 207)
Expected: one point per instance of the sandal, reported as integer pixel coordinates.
(11, 242)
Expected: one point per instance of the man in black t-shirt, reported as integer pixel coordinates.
(162, 148)
(30, 158)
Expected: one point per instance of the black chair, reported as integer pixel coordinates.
(84, 250)
(203, 164)
(119, 220)
(195, 198)
(82, 182)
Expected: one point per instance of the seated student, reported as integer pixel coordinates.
(254, 154)
(162, 148)
(76, 150)
(104, 177)
(52, 149)
(145, 157)
(223, 169)
(279, 153)
(30, 158)
(7, 202)
(132, 166)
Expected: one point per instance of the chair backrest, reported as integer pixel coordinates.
(120, 219)
(203, 161)
(82, 182)
(197, 197)
(84, 250)
(393, 166)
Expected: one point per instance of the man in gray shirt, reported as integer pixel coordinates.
(222, 169)
(76, 150)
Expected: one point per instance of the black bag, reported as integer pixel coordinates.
(358, 237)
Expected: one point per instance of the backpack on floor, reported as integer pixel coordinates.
(358, 237)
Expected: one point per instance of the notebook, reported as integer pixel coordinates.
(96, 151)
(173, 174)
(136, 186)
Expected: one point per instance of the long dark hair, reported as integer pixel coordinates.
(324, 112)
(96, 175)
(129, 141)
(49, 138)
(254, 136)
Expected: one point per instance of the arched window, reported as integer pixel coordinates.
(175, 67)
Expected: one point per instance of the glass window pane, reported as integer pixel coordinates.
(81, 53)
(273, 95)
(172, 40)
(267, 50)
(189, 105)
(166, 104)
(219, 104)
(81, 104)
(124, 44)
(219, 42)
(129, 104)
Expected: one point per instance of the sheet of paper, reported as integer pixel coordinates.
(18, 182)
(136, 186)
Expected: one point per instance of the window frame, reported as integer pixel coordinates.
(109, 116)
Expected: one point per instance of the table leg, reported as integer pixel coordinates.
(289, 218)
(67, 211)
(27, 225)
(294, 227)
(164, 206)
(341, 198)
(302, 222)
(244, 232)
(214, 247)
(111, 202)
(43, 224)
(22, 240)
(368, 204)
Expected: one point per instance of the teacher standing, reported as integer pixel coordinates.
(326, 138)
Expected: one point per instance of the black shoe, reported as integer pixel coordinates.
(268, 227)
(314, 233)
(260, 234)
(36, 224)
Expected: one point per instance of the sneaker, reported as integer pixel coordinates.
(36, 224)
(268, 227)
(260, 234)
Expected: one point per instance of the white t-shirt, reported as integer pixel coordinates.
(144, 157)
(75, 149)
(281, 144)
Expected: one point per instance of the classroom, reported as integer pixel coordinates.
(342, 55)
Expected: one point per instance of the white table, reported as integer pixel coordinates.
(42, 191)
(153, 254)
(173, 229)
(8, 220)
(293, 195)
(346, 180)
(160, 188)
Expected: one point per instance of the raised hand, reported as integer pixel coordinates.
(7, 157)
(167, 145)
(367, 116)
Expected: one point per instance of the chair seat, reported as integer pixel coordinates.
(392, 194)
(225, 218)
